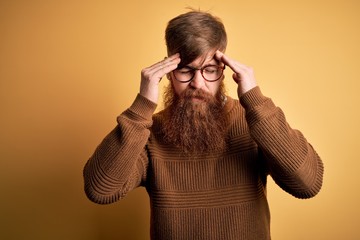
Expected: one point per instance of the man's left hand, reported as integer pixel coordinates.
(243, 75)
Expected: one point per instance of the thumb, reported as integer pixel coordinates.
(236, 78)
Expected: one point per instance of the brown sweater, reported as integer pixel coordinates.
(218, 195)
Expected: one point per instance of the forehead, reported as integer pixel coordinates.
(203, 60)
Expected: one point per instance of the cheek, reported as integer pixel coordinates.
(214, 87)
(179, 87)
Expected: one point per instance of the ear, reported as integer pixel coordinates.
(168, 76)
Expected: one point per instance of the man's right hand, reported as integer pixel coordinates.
(151, 76)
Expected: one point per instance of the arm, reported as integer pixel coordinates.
(119, 164)
(293, 163)
(291, 160)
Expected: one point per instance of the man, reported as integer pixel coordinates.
(205, 158)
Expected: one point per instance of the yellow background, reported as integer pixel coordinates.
(68, 68)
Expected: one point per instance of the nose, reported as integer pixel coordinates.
(198, 81)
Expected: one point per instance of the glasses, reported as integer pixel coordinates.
(210, 73)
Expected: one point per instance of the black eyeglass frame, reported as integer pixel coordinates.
(222, 68)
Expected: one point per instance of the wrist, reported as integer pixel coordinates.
(150, 95)
(143, 107)
(252, 98)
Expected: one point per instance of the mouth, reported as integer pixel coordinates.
(197, 96)
(198, 99)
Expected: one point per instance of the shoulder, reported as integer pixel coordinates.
(233, 106)
(158, 121)
(159, 116)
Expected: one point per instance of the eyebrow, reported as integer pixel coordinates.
(212, 62)
(206, 65)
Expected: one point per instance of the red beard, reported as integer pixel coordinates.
(195, 121)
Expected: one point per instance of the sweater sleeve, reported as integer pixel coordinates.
(119, 163)
(291, 160)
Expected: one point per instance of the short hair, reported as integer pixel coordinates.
(193, 34)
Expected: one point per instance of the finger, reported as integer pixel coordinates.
(170, 66)
(171, 62)
(218, 55)
(240, 70)
(236, 77)
(165, 66)
(165, 61)
(174, 59)
(228, 61)
(159, 69)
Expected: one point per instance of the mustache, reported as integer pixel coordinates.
(196, 93)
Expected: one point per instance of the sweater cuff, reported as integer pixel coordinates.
(143, 107)
(252, 98)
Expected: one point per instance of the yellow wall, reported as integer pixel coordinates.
(68, 68)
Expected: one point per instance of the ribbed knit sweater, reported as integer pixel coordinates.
(215, 195)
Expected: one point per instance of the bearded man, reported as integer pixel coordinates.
(205, 158)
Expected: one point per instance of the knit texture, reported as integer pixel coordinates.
(214, 195)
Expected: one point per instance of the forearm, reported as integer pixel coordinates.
(291, 160)
(119, 162)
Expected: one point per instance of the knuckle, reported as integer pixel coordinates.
(145, 73)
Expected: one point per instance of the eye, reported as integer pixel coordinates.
(211, 69)
(185, 70)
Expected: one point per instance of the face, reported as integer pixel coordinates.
(198, 81)
(194, 115)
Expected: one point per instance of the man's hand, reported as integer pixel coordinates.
(243, 75)
(151, 76)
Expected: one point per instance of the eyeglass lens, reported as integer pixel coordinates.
(210, 73)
